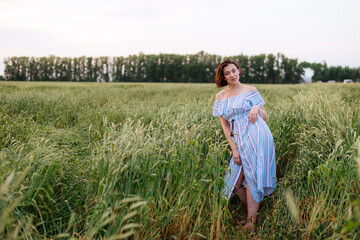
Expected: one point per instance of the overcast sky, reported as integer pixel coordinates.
(313, 31)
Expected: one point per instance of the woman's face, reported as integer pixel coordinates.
(231, 74)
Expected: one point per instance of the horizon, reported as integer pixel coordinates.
(307, 75)
(312, 31)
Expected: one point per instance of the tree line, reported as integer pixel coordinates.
(337, 73)
(189, 68)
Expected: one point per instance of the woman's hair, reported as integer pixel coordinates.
(219, 77)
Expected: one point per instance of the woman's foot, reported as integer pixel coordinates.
(241, 225)
(248, 224)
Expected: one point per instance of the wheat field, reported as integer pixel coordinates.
(147, 161)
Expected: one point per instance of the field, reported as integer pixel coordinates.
(146, 161)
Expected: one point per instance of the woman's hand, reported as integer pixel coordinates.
(253, 113)
(236, 157)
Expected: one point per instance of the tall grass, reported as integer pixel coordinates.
(146, 161)
(317, 165)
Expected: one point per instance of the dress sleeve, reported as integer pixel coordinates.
(258, 100)
(217, 109)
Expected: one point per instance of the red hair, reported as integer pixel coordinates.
(219, 77)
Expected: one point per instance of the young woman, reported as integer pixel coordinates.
(252, 173)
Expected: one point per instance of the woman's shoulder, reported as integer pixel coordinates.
(220, 95)
(250, 88)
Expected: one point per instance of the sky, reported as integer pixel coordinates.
(308, 30)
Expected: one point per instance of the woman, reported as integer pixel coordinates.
(252, 173)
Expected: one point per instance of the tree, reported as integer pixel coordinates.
(200, 67)
(271, 72)
(10, 69)
(292, 70)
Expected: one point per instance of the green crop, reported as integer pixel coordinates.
(147, 161)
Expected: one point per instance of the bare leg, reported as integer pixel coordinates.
(240, 190)
(252, 209)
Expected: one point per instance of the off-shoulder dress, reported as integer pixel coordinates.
(254, 142)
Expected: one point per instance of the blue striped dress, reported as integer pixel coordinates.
(254, 142)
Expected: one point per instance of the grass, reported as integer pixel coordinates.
(146, 161)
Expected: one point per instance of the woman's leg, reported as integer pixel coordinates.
(252, 209)
(240, 189)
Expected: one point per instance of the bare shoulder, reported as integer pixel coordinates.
(220, 95)
(250, 88)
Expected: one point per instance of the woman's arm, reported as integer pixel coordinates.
(226, 128)
(254, 111)
(262, 113)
